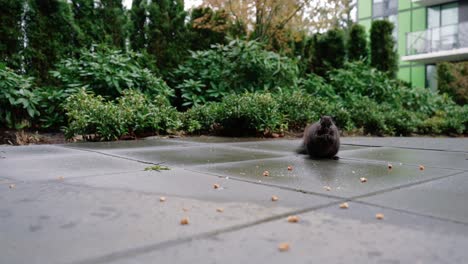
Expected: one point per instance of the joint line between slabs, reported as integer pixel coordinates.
(130, 253)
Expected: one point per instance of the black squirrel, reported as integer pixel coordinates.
(321, 139)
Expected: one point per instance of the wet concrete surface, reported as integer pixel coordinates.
(95, 203)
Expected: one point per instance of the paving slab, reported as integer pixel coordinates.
(31, 151)
(445, 198)
(286, 145)
(330, 235)
(342, 176)
(74, 220)
(438, 143)
(53, 166)
(189, 184)
(427, 158)
(195, 155)
(125, 144)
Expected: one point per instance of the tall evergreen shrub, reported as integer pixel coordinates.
(383, 47)
(357, 43)
(11, 38)
(329, 52)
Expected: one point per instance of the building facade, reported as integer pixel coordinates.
(426, 32)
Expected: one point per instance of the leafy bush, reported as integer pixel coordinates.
(19, 103)
(133, 113)
(237, 67)
(360, 79)
(452, 79)
(109, 72)
(237, 115)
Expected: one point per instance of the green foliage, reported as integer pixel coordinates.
(237, 67)
(51, 35)
(317, 86)
(111, 12)
(11, 38)
(357, 43)
(383, 47)
(166, 33)
(360, 79)
(238, 115)
(329, 51)
(133, 113)
(137, 20)
(452, 79)
(109, 72)
(207, 27)
(87, 20)
(18, 102)
(157, 168)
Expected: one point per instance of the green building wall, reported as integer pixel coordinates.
(411, 18)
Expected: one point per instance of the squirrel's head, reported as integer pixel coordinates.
(326, 121)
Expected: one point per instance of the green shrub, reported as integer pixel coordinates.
(317, 86)
(240, 66)
(329, 51)
(383, 47)
(452, 79)
(109, 72)
(133, 113)
(360, 79)
(19, 103)
(357, 43)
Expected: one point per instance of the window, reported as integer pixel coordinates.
(384, 8)
(442, 20)
(431, 77)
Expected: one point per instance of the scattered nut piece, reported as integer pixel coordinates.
(363, 179)
(293, 219)
(379, 216)
(283, 247)
(421, 167)
(185, 209)
(344, 206)
(327, 188)
(162, 199)
(216, 186)
(184, 221)
(266, 173)
(219, 210)
(390, 166)
(61, 178)
(12, 186)
(274, 198)
(290, 168)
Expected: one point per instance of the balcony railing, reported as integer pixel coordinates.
(437, 39)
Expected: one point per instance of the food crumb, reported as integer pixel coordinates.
(162, 199)
(293, 219)
(379, 216)
(12, 186)
(61, 178)
(290, 168)
(390, 166)
(363, 179)
(283, 247)
(344, 206)
(216, 186)
(266, 173)
(421, 167)
(184, 221)
(219, 210)
(274, 198)
(327, 188)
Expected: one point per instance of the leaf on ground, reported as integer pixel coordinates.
(156, 168)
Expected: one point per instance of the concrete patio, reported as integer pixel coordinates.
(95, 203)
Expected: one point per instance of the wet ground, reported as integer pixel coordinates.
(95, 203)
